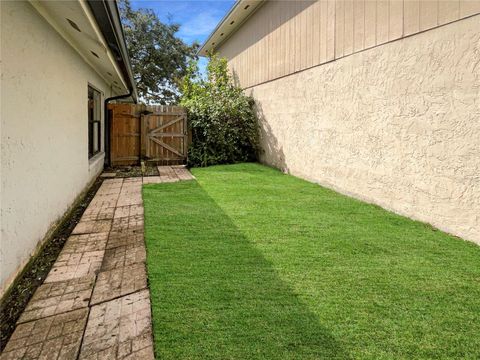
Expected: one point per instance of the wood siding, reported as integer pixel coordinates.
(284, 37)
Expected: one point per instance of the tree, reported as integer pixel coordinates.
(159, 58)
(221, 117)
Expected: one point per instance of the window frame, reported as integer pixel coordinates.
(94, 120)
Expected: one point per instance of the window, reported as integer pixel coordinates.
(94, 122)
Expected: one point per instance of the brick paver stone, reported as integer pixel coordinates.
(129, 210)
(54, 337)
(119, 282)
(183, 173)
(58, 297)
(104, 202)
(167, 174)
(130, 199)
(119, 329)
(124, 255)
(152, 180)
(132, 223)
(132, 184)
(132, 180)
(74, 265)
(93, 213)
(166, 171)
(111, 189)
(113, 181)
(96, 226)
(131, 193)
(125, 238)
(111, 184)
(81, 256)
(85, 243)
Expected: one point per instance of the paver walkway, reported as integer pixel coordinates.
(95, 303)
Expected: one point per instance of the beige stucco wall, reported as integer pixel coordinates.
(44, 136)
(397, 125)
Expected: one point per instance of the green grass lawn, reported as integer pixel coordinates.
(249, 263)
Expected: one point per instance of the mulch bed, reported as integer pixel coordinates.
(133, 171)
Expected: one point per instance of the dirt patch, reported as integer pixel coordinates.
(35, 272)
(133, 171)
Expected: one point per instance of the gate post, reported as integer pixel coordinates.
(143, 137)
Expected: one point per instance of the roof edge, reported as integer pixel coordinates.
(108, 19)
(232, 21)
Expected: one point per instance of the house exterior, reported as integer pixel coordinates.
(379, 100)
(62, 61)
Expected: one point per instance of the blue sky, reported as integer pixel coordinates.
(197, 17)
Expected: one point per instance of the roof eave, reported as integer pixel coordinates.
(233, 20)
(107, 17)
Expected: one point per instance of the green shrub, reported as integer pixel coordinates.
(221, 117)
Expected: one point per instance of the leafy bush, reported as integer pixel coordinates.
(221, 118)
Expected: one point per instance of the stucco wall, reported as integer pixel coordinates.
(44, 132)
(397, 125)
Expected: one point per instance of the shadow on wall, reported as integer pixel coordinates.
(236, 80)
(271, 152)
(269, 146)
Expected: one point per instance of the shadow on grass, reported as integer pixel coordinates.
(213, 294)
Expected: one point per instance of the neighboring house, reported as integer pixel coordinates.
(61, 62)
(376, 99)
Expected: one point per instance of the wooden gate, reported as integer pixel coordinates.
(156, 134)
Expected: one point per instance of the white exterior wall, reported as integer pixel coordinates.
(397, 125)
(44, 132)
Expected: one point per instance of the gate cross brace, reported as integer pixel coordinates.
(168, 147)
(171, 122)
(170, 134)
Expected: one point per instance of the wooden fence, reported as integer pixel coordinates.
(156, 134)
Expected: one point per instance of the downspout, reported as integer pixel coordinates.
(108, 124)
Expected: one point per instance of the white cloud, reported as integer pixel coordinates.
(201, 24)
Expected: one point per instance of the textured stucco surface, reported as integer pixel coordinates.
(397, 125)
(44, 132)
